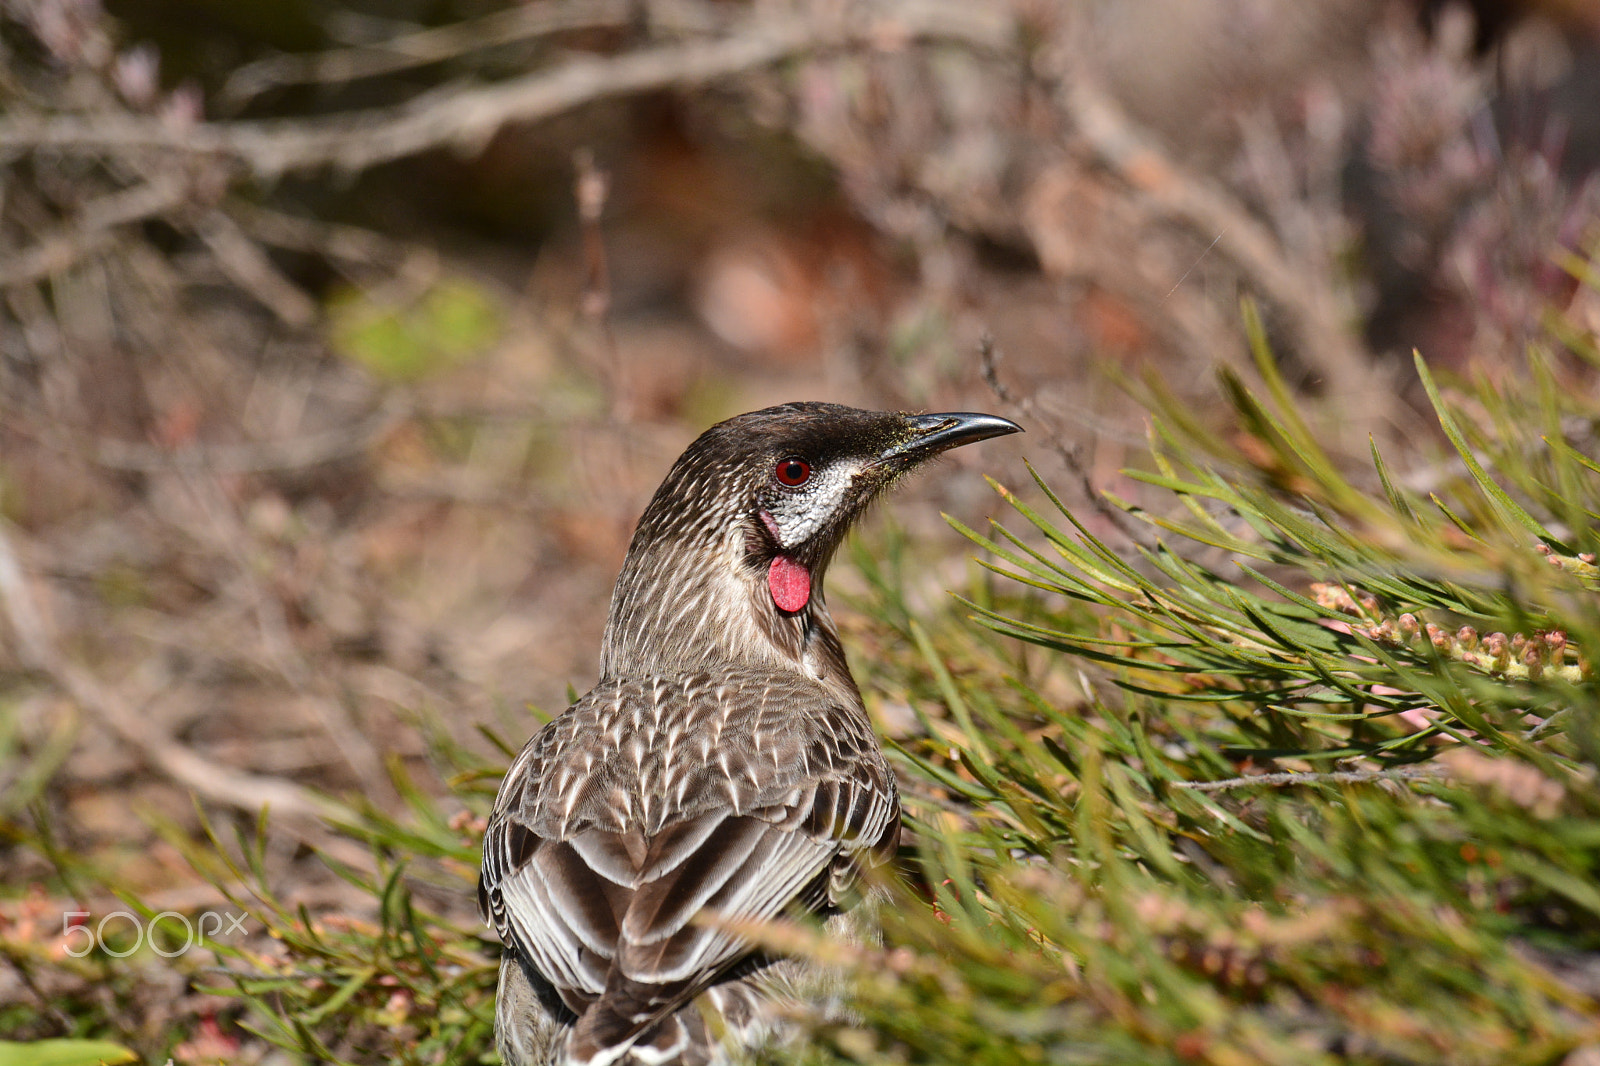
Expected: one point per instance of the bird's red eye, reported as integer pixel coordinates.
(792, 472)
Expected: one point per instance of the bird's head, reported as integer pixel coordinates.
(742, 529)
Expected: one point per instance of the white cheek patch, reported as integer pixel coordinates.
(793, 517)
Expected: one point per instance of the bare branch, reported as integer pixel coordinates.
(1321, 333)
(92, 230)
(591, 189)
(297, 453)
(249, 267)
(1336, 777)
(520, 22)
(221, 784)
(335, 240)
(988, 366)
(466, 117)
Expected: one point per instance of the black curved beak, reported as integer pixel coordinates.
(932, 434)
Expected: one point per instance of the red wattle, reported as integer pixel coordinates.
(790, 584)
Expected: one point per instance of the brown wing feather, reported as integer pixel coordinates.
(666, 957)
(752, 793)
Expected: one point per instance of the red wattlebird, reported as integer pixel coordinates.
(723, 766)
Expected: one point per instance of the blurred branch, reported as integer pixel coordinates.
(297, 453)
(1336, 777)
(988, 366)
(591, 189)
(1321, 334)
(468, 116)
(336, 240)
(91, 231)
(242, 260)
(517, 23)
(220, 784)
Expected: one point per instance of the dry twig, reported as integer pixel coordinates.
(591, 190)
(988, 364)
(1313, 313)
(520, 22)
(1336, 777)
(296, 453)
(220, 784)
(243, 261)
(466, 117)
(92, 230)
(334, 240)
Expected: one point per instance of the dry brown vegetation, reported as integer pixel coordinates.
(341, 346)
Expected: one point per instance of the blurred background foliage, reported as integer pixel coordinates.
(341, 345)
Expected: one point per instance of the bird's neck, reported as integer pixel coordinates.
(679, 608)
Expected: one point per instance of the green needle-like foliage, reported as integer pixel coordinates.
(1303, 774)
(407, 985)
(1307, 775)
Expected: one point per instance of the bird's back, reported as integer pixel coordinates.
(722, 772)
(731, 794)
